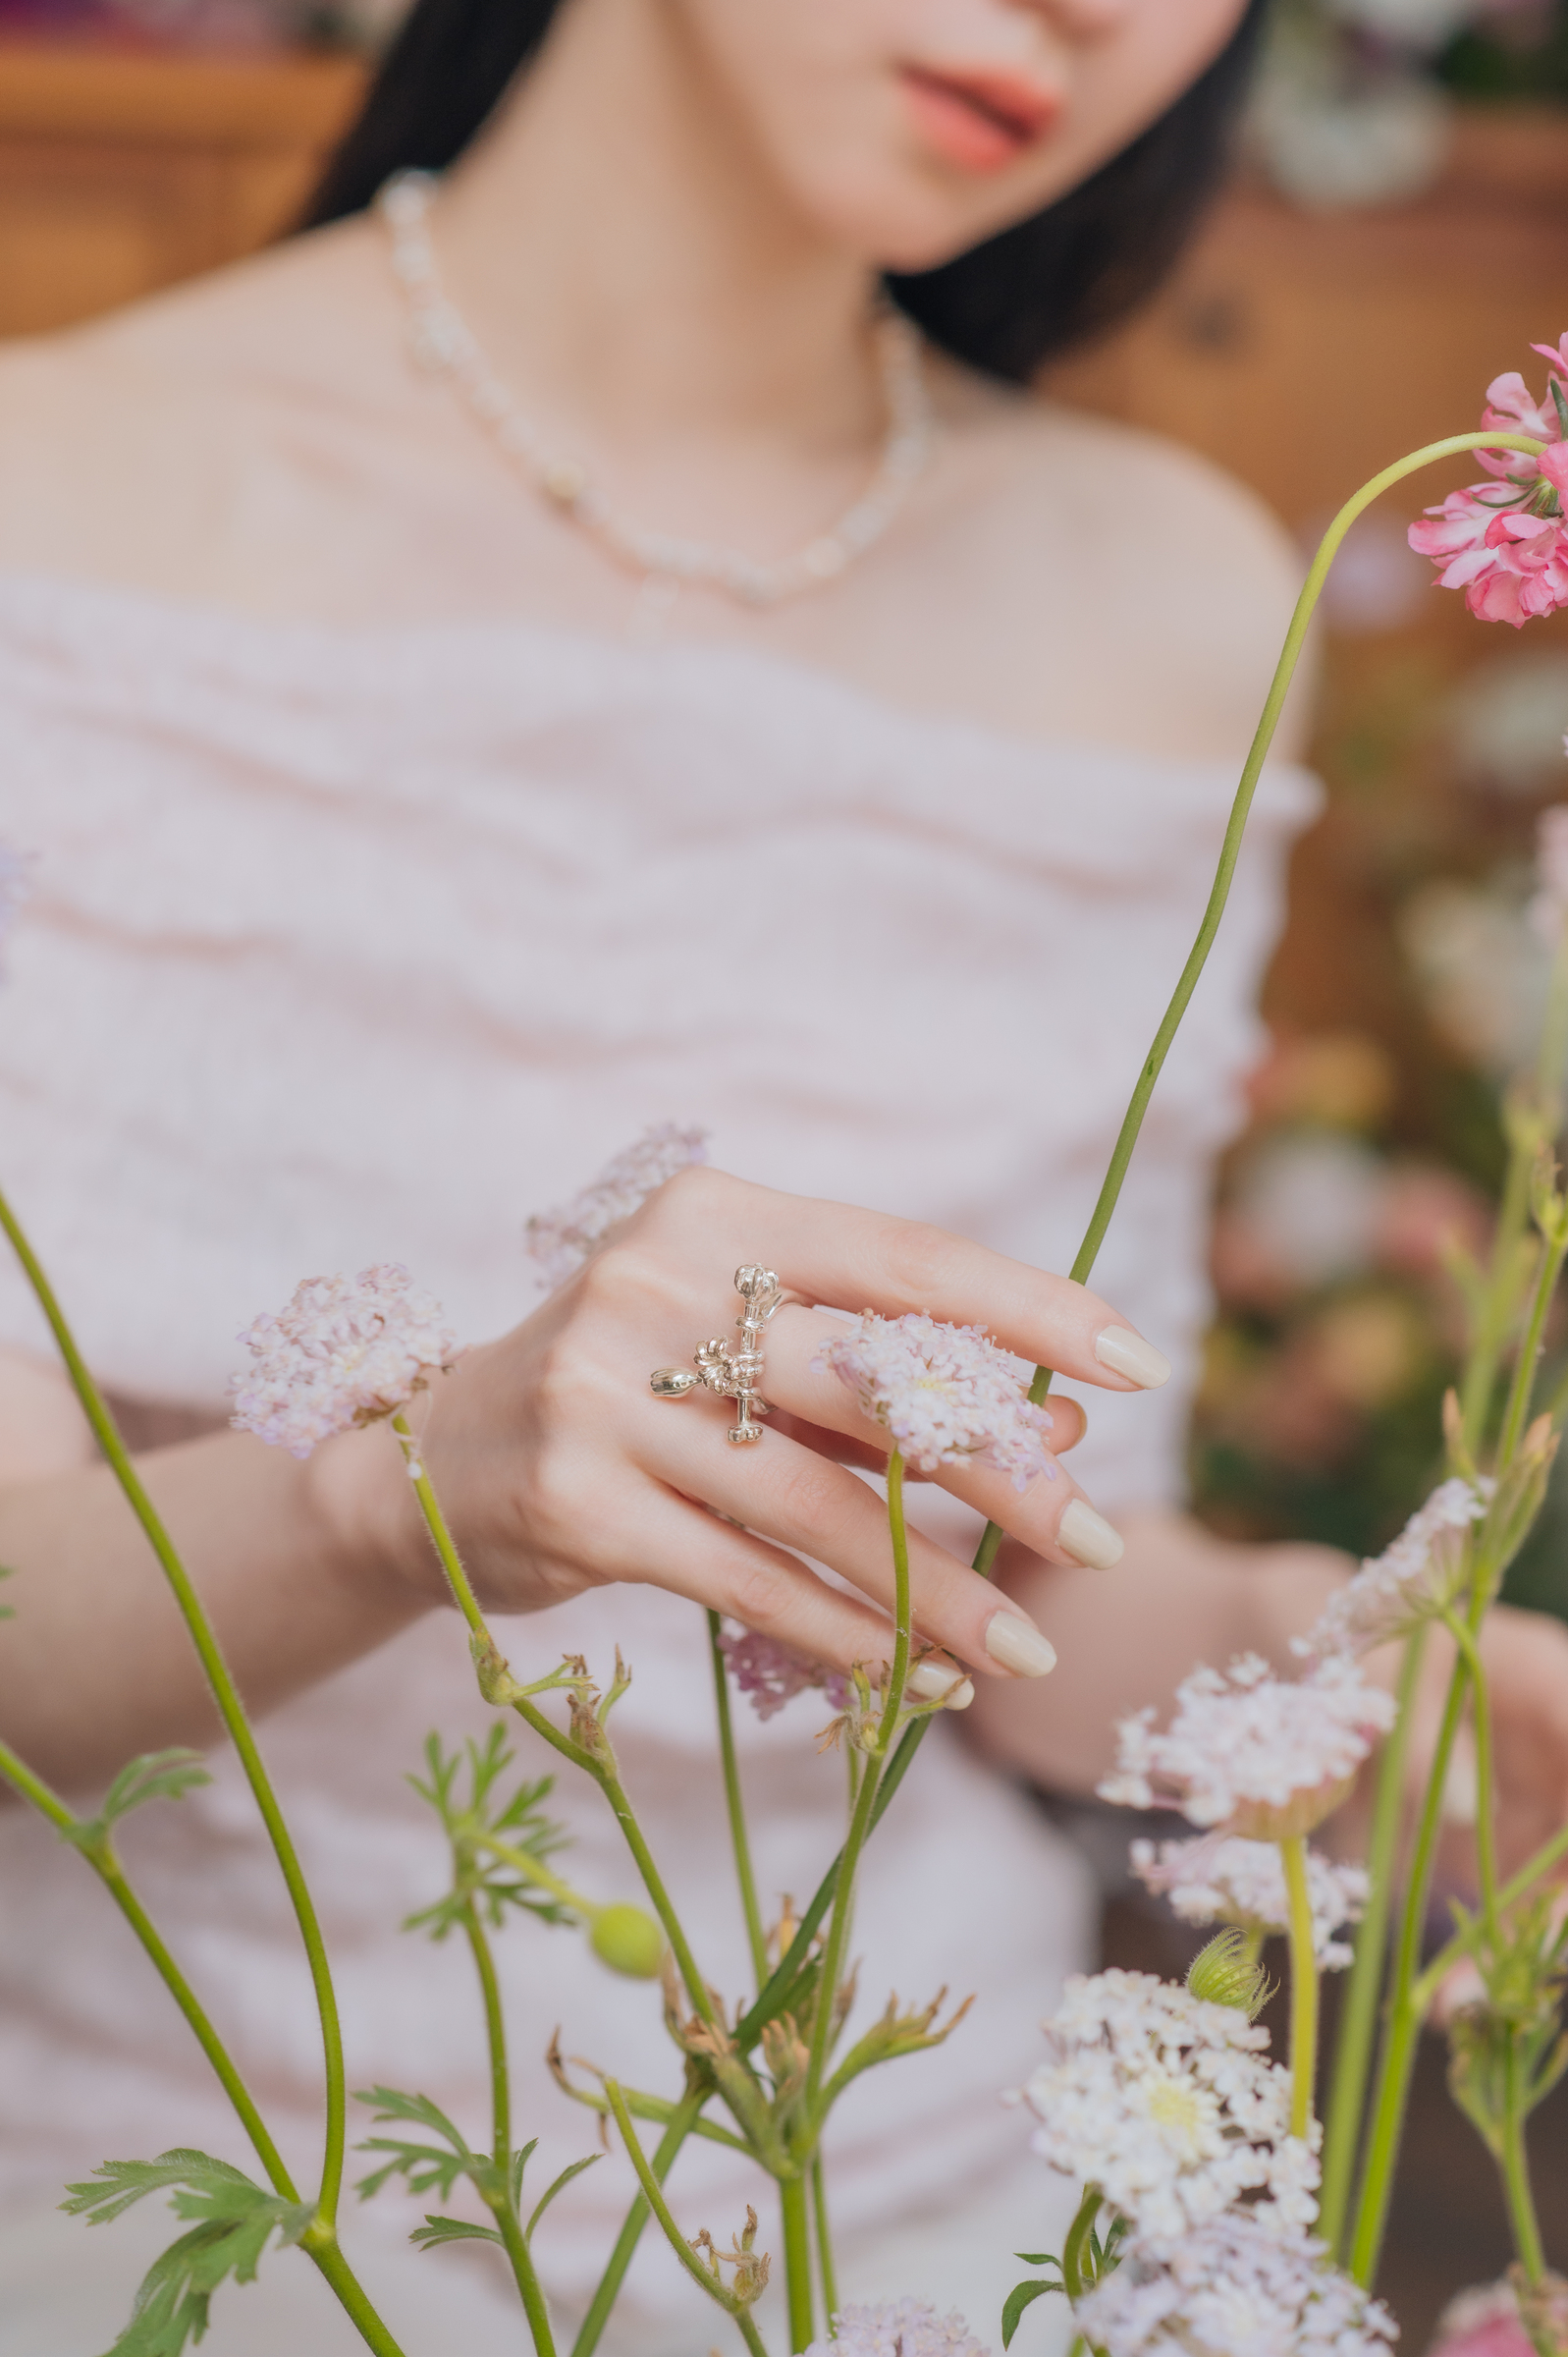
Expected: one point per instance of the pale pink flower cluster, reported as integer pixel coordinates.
(897, 2328)
(1169, 2105)
(1549, 911)
(1222, 1879)
(1505, 542)
(769, 1675)
(1412, 1580)
(343, 1352)
(1484, 2323)
(1234, 2288)
(561, 1240)
(947, 1394)
(1250, 1752)
(16, 883)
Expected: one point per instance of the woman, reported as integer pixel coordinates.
(413, 829)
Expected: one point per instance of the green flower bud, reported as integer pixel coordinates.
(627, 1940)
(1227, 1973)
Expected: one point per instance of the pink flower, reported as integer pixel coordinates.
(561, 1240)
(1485, 2323)
(1505, 543)
(947, 1395)
(771, 1674)
(897, 2328)
(342, 1353)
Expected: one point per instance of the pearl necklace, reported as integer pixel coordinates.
(443, 343)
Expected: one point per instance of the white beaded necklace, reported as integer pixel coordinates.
(443, 343)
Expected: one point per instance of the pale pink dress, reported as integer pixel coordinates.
(362, 945)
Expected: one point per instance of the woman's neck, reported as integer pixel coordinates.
(634, 268)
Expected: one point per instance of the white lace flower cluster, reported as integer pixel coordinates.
(1250, 1752)
(1233, 2289)
(342, 1352)
(1169, 2105)
(561, 1240)
(947, 1395)
(897, 2328)
(1222, 1879)
(1413, 1579)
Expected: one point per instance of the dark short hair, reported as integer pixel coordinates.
(1050, 282)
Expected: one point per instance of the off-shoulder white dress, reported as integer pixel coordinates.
(361, 945)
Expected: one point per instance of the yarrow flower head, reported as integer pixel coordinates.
(1411, 1581)
(343, 1352)
(947, 1395)
(1505, 542)
(1249, 1752)
(769, 1675)
(561, 1240)
(1222, 1879)
(1168, 2107)
(897, 2328)
(1234, 2288)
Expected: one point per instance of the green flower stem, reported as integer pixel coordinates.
(1485, 1819)
(736, 1804)
(1497, 1310)
(600, 1769)
(1077, 2244)
(608, 2292)
(501, 2206)
(1230, 850)
(1303, 1985)
(825, 2265)
(1398, 2056)
(1358, 2021)
(1516, 1414)
(900, 1603)
(229, 1709)
(678, 2242)
(796, 2221)
(326, 2254)
(1516, 2176)
(1437, 1972)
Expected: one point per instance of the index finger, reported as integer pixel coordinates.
(845, 1258)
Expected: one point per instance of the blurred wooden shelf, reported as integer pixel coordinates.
(121, 171)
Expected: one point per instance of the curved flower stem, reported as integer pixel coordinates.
(734, 1802)
(609, 2288)
(1517, 1413)
(596, 1765)
(501, 2206)
(1358, 2020)
(1485, 1819)
(1230, 850)
(678, 2242)
(795, 2217)
(1303, 1985)
(1398, 2056)
(1077, 2242)
(231, 1710)
(901, 1591)
(326, 2254)
(825, 2265)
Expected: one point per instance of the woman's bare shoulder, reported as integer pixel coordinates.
(1179, 574)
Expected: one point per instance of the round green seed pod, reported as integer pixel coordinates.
(627, 1940)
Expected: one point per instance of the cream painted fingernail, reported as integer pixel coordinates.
(1127, 1353)
(1089, 1536)
(930, 1678)
(1019, 1646)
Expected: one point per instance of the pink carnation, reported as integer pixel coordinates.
(769, 1675)
(1505, 543)
(342, 1353)
(947, 1394)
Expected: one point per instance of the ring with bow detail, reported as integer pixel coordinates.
(734, 1374)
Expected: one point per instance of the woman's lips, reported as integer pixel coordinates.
(981, 122)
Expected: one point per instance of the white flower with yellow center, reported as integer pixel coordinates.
(1168, 2107)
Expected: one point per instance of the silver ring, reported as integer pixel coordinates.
(734, 1374)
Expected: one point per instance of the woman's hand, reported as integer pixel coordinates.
(560, 1470)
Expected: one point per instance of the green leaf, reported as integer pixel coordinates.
(7, 1572)
(1021, 2296)
(450, 2229)
(235, 2221)
(424, 2168)
(1038, 2258)
(520, 2162)
(469, 1805)
(574, 2169)
(153, 1776)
